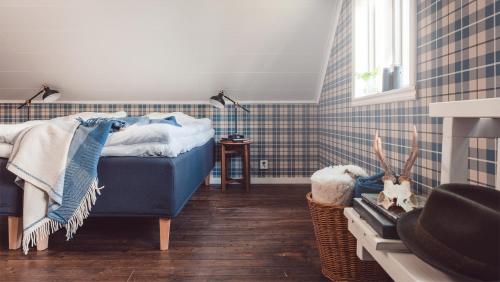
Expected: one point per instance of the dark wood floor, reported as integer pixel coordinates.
(263, 235)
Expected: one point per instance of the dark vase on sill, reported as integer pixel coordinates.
(396, 77)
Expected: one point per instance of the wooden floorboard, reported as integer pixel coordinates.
(262, 235)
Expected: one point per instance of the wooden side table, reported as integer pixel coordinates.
(228, 149)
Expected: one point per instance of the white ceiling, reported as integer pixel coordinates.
(165, 50)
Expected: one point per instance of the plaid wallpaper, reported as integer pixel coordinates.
(458, 58)
(284, 134)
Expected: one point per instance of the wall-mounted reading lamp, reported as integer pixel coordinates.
(49, 96)
(218, 101)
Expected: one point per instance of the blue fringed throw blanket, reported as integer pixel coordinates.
(370, 184)
(59, 159)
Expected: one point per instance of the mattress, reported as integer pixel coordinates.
(133, 186)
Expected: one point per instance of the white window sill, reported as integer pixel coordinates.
(396, 95)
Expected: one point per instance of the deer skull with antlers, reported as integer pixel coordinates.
(397, 189)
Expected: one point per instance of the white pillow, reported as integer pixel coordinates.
(157, 115)
(89, 115)
(177, 115)
(181, 118)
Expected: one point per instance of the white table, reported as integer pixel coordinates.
(392, 255)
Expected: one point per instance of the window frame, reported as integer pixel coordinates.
(395, 95)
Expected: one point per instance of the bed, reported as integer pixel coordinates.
(170, 183)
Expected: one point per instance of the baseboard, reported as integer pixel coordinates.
(271, 180)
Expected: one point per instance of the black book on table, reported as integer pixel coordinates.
(393, 214)
(380, 223)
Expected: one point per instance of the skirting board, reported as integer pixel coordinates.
(272, 180)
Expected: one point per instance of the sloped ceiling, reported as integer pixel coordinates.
(165, 50)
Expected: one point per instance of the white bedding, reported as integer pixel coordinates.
(9, 132)
(160, 133)
(135, 140)
(160, 139)
(5, 150)
(89, 115)
(157, 149)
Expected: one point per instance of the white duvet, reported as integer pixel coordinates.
(175, 147)
(160, 133)
(135, 140)
(5, 150)
(160, 139)
(9, 132)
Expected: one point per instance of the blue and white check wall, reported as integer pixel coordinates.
(458, 58)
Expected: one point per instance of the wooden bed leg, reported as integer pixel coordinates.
(207, 181)
(164, 233)
(43, 244)
(15, 226)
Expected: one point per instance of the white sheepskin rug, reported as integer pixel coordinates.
(334, 185)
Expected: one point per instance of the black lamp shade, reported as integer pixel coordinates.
(218, 101)
(50, 95)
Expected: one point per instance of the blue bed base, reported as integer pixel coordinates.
(133, 186)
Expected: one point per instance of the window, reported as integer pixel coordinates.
(384, 49)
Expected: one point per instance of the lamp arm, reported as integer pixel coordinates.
(236, 104)
(30, 99)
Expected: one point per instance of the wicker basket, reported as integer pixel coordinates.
(337, 246)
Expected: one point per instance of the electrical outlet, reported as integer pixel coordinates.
(263, 164)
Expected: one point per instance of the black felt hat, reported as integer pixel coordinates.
(458, 231)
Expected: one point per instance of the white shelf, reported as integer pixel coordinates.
(463, 120)
(401, 266)
(481, 108)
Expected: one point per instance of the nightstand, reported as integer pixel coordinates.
(229, 149)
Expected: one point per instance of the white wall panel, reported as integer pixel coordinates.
(164, 50)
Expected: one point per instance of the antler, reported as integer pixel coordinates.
(412, 157)
(377, 147)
